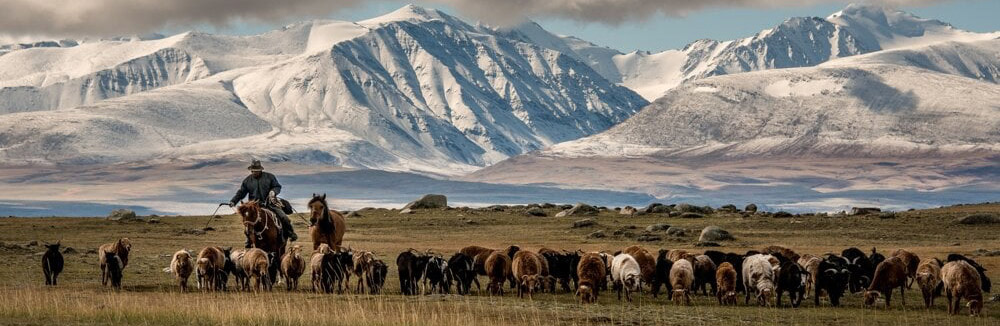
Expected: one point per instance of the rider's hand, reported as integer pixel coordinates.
(232, 204)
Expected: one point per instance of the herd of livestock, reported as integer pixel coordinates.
(764, 276)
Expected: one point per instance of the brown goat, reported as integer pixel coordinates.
(911, 261)
(681, 279)
(784, 252)
(363, 268)
(677, 254)
(961, 280)
(180, 266)
(316, 266)
(811, 264)
(527, 269)
(929, 279)
(889, 275)
(647, 263)
(121, 249)
(292, 267)
(591, 272)
(725, 277)
(255, 263)
(498, 270)
(211, 263)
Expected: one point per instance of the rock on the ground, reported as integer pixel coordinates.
(406, 211)
(714, 233)
(751, 208)
(649, 238)
(535, 211)
(729, 209)
(353, 214)
(584, 223)
(782, 214)
(688, 208)
(865, 210)
(977, 219)
(657, 227)
(122, 214)
(578, 209)
(676, 231)
(628, 210)
(597, 234)
(692, 215)
(428, 201)
(69, 250)
(707, 244)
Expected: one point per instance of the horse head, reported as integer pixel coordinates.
(318, 208)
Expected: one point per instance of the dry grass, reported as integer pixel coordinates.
(151, 297)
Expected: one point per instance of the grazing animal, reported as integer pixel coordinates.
(833, 278)
(681, 279)
(479, 255)
(222, 278)
(889, 275)
(782, 253)
(961, 281)
(211, 262)
(910, 261)
(590, 273)
(292, 267)
(875, 257)
(322, 280)
(363, 261)
(929, 279)
(725, 278)
(121, 249)
(677, 254)
(256, 263)
(662, 274)
(181, 266)
(113, 266)
(52, 263)
(379, 272)
(987, 284)
(498, 271)
(411, 266)
(626, 274)
(436, 275)
(240, 276)
(325, 225)
(527, 268)
(861, 267)
(758, 278)
(793, 279)
(341, 265)
(263, 228)
(646, 262)
(562, 267)
(704, 274)
(460, 269)
(811, 265)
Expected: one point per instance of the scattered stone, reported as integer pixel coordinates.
(692, 215)
(91, 252)
(987, 253)
(69, 250)
(578, 209)
(714, 233)
(676, 231)
(628, 210)
(995, 298)
(649, 208)
(353, 214)
(887, 215)
(122, 215)
(497, 208)
(428, 201)
(688, 208)
(32, 243)
(535, 211)
(865, 210)
(657, 227)
(471, 222)
(597, 234)
(649, 238)
(153, 220)
(406, 211)
(977, 219)
(584, 223)
(548, 205)
(674, 213)
(191, 232)
(565, 206)
(751, 208)
(623, 233)
(729, 209)
(707, 244)
(781, 214)
(208, 229)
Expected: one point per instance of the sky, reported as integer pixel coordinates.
(626, 25)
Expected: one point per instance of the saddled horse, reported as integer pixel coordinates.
(264, 230)
(327, 226)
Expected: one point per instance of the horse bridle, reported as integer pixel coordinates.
(252, 226)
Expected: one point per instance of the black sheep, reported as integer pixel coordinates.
(411, 266)
(379, 272)
(113, 266)
(662, 274)
(460, 269)
(792, 278)
(52, 263)
(833, 278)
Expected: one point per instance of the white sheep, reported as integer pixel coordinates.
(626, 274)
(758, 278)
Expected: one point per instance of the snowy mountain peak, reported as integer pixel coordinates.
(410, 13)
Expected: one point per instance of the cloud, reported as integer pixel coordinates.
(124, 17)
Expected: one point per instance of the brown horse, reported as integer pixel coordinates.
(327, 226)
(264, 230)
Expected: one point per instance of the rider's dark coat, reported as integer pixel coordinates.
(258, 188)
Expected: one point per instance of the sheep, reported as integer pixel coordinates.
(222, 278)
(340, 264)
(910, 261)
(681, 279)
(379, 272)
(210, 263)
(121, 249)
(436, 275)
(782, 252)
(677, 254)
(889, 275)
(791, 278)
(811, 265)
(562, 267)
(961, 280)
(833, 278)
(929, 279)
(113, 266)
(292, 267)
(758, 278)
(498, 270)
(704, 274)
(479, 255)
(987, 284)
(181, 266)
(240, 276)
(662, 274)
(861, 267)
(590, 273)
(460, 269)
(255, 263)
(52, 263)
(362, 268)
(647, 263)
(626, 275)
(321, 280)
(725, 279)
(411, 265)
(527, 269)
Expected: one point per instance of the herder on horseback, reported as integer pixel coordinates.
(264, 187)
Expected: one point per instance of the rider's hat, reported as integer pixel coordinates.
(255, 166)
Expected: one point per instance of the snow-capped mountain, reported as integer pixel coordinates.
(796, 42)
(412, 90)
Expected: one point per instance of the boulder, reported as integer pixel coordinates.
(729, 209)
(782, 214)
(676, 231)
(428, 201)
(628, 210)
(406, 211)
(865, 210)
(707, 244)
(648, 238)
(688, 208)
(584, 223)
(657, 227)
(353, 214)
(625, 233)
(714, 233)
(751, 208)
(535, 211)
(649, 208)
(597, 234)
(692, 215)
(978, 219)
(153, 220)
(578, 209)
(122, 215)
(69, 250)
